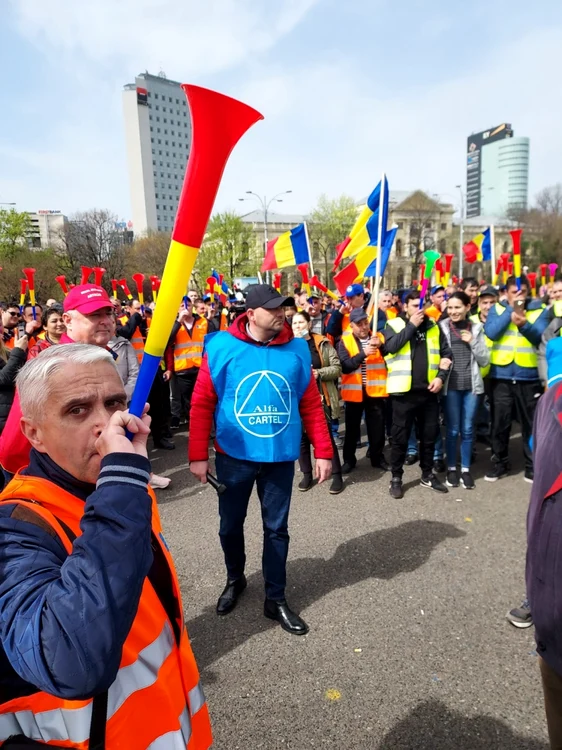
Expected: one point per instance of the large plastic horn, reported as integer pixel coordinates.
(218, 123)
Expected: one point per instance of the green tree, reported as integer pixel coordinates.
(330, 223)
(229, 247)
(15, 232)
(543, 226)
(46, 265)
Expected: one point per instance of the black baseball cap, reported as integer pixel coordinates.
(266, 296)
(488, 291)
(357, 315)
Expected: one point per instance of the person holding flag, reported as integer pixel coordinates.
(418, 358)
(340, 319)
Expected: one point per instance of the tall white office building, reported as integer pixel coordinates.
(158, 136)
(497, 173)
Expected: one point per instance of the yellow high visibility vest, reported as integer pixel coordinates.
(513, 346)
(352, 383)
(399, 379)
(484, 371)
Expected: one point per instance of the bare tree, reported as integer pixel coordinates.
(543, 225)
(330, 223)
(91, 238)
(421, 212)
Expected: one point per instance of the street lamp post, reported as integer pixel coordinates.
(265, 204)
(461, 238)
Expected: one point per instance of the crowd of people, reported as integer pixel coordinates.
(266, 378)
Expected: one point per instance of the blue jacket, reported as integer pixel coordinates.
(64, 618)
(495, 327)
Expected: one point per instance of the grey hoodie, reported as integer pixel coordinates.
(126, 362)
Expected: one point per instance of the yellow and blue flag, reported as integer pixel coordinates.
(289, 249)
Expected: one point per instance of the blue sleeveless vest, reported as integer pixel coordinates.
(259, 389)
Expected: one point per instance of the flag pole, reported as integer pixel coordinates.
(375, 290)
(493, 253)
(309, 248)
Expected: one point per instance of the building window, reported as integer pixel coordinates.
(398, 248)
(154, 174)
(156, 96)
(149, 94)
(157, 207)
(157, 119)
(167, 163)
(443, 246)
(165, 131)
(165, 120)
(163, 109)
(150, 117)
(400, 223)
(157, 106)
(443, 227)
(160, 163)
(170, 98)
(159, 153)
(156, 195)
(428, 225)
(152, 140)
(154, 162)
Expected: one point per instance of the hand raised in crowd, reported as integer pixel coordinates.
(417, 318)
(33, 325)
(435, 385)
(199, 469)
(371, 348)
(323, 469)
(113, 438)
(375, 341)
(518, 318)
(22, 342)
(183, 315)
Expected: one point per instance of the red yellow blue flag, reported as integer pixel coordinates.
(289, 249)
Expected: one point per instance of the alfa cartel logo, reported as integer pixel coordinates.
(262, 404)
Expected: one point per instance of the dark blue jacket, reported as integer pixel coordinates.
(334, 327)
(495, 327)
(544, 529)
(64, 618)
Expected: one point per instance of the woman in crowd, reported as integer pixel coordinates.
(53, 327)
(464, 385)
(326, 368)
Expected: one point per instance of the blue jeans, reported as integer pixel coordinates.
(413, 445)
(460, 410)
(274, 484)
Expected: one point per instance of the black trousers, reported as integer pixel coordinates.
(186, 380)
(159, 400)
(508, 396)
(374, 419)
(305, 461)
(419, 408)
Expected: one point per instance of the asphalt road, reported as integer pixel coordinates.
(408, 649)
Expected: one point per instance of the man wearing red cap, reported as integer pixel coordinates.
(89, 317)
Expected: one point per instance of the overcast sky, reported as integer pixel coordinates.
(348, 89)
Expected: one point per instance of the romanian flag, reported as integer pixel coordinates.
(355, 270)
(479, 248)
(366, 227)
(386, 250)
(289, 249)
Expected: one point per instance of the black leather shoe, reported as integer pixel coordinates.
(164, 444)
(347, 467)
(288, 620)
(382, 464)
(229, 597)
(411, 459)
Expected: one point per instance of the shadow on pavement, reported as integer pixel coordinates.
(433, 726)
(383, 554)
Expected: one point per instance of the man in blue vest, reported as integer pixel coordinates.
(256, 383)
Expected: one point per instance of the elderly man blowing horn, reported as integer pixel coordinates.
(93, 648)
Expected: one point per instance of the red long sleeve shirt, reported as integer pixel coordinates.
(205, 398)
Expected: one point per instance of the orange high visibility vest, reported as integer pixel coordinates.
(156, 700)
(345, 322)
(9, 344)
(224, 320)
(352, 383)
(434, 313)
(188, 348)
(138, 343)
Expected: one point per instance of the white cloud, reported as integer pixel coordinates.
(190, 37)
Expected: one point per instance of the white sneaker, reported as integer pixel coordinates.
(159, 483)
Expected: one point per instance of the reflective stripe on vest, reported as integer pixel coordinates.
(155, 669)
(138, 344)
(399, 379)
(375, 371)
(484, 371)
(513, 346)
(188, 349)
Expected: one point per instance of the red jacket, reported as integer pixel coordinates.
(204, 401)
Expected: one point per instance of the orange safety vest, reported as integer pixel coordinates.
(138, 343)
(433, 312)
(156, 700)
(9, 344)
(352, 383)
(188, 347)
